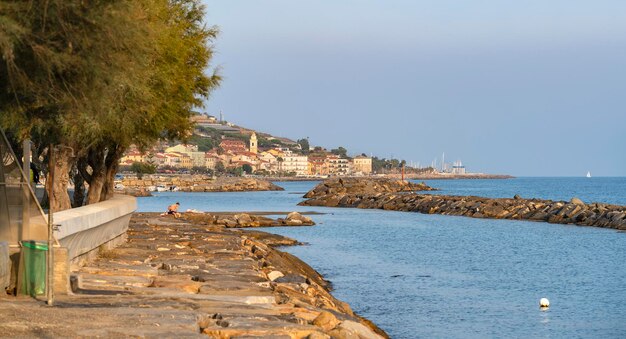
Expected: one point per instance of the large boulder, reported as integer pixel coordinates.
(326, 320)
(243, 219)
(297, 219)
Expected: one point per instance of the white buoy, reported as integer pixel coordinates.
(544, 303)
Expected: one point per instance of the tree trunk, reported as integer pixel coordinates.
(95, 160)
(112, 164)
(79, 189)
(95, 187)
(62, 164)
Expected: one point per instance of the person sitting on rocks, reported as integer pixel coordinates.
(173, 210)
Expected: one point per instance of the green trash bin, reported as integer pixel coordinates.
(33, 268)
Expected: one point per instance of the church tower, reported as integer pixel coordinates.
(253, 143)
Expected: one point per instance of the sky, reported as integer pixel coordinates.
(527, 88)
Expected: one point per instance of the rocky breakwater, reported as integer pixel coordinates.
(332, 191)
(243, 220)
(333, 194)
(196, 183)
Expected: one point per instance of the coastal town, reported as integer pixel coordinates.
(219, 147)
(239, 151)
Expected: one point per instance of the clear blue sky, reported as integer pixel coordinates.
(529, 88)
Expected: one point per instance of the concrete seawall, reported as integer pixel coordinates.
(574, 212)
(86, 230)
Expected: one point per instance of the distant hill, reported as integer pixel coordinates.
(209, 133)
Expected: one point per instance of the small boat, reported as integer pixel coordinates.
(588, 174)
(161, 188)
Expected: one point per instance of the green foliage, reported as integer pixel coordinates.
(247, 168)
(142, 168)
(220, 168)
(99, 76)
(236, 171)
(304, 143)
(204, 144)
(340, 151)
(267, 143)
(386, 165)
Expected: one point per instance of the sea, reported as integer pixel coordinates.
(433, 276)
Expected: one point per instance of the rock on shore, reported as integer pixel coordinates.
(561, 212)
(200, 183)
(240, 220)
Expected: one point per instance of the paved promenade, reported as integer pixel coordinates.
(174, 278)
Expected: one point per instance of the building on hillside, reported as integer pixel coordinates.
(263, 165)
(133, 156)
(266, 156)
(276, 152)
(203, 120)
(210, 160)
(298, 164)
(266, 161)
(172, 159)
(198, 159)
(338, 166)
(185, 161)
(245, 157)
(225, 159)
(233, 145)
(362, 165)
(318, 165)
(158, 159)
(181, 148)
(254, 143)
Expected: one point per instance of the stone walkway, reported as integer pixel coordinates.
(176, 279)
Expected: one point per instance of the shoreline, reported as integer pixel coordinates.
(473, 176)
(175, 277)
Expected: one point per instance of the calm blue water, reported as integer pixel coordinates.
(607, 190)
(419, 275)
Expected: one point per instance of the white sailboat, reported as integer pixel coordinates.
(588, 174)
